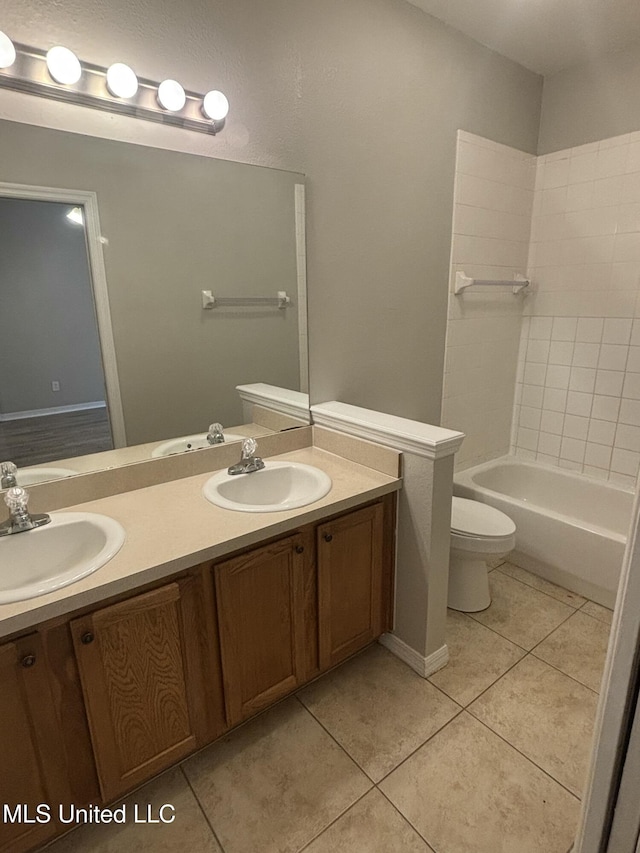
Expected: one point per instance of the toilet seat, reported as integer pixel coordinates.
(479, 521)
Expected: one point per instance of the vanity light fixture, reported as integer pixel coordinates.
(121, 80)
(215, 105)
(171, 96)
(64, 66)
(7, 51)
(58, 74)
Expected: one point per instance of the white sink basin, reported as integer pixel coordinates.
(190, 442)
(278, 486)
(70, 547)
(32, 476)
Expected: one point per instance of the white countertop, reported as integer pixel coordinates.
(171, 527)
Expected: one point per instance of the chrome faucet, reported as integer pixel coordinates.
(215, 434)
(20, 519)
(249, 462)
(8, 473)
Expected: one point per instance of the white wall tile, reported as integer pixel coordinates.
(549, 444)
(628, 482)
(579, 403)
(598, 455)
(625, 462)
(602, 432)
(628, 437)
(605, 408)
(586, 355)
(573, 449)
(538, 351)
(609, 382)
(617, 331)
(564, 328)
(629, 412)
(561, 352)
(576, 427)
(532, 396)
(589, 329)
(528, 438)
(534, 374)
(582, 379)
(551, 422)
(554, 400)
(613, 357)
(530, 418)
(631, 387)
(633, 360)
(557, 376)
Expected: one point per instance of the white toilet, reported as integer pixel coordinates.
(478, 533)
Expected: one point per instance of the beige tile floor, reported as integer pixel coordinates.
(487, 756)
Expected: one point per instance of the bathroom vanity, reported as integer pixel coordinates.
(203, 619)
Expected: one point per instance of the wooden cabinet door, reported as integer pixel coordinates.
(266, 613)
(142, 683)
(350, 582)
(32, 765)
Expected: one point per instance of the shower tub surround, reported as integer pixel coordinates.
(570, 530)
(578, 394)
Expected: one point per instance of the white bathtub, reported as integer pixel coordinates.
(570, 529)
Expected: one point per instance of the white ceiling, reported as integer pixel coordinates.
(543, 35)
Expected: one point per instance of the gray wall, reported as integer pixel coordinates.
(591, 101)
(176, 225)
(364, 97)
(47, 321)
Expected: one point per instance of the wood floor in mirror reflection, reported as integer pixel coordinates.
(40, 440)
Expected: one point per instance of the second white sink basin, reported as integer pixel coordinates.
(190, 442)
(70, 547)
(33, 476)
(278, 486)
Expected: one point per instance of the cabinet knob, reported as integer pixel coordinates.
(299, 549)
(328, 537)
(28, 661)
(87, 638)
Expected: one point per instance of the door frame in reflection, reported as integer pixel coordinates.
(88, 201)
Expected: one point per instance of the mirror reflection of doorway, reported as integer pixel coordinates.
(52, 386)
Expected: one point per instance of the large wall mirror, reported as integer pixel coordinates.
(106, 348)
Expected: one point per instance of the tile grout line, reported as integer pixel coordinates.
(406, 819)
(201, 807)
(562, 672)
(526, 757)
(433, 734)
(334, 821)
(531, 586)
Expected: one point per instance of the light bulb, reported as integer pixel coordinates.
(76, 216)
(7, 51)
(215, 105)
(121, 80)
(64, 66)
(171, 96)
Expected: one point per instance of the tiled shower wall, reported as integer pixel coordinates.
(578, 392)
(493, 203)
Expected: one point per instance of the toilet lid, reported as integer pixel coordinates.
(477, 519)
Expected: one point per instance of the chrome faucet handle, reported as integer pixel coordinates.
(215, 434)
(249, 462)
(8, 473)
(17, 499)
(20, 518)
(249, 447)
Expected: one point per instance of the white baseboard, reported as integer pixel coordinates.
(424, 666)
(57, 410)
